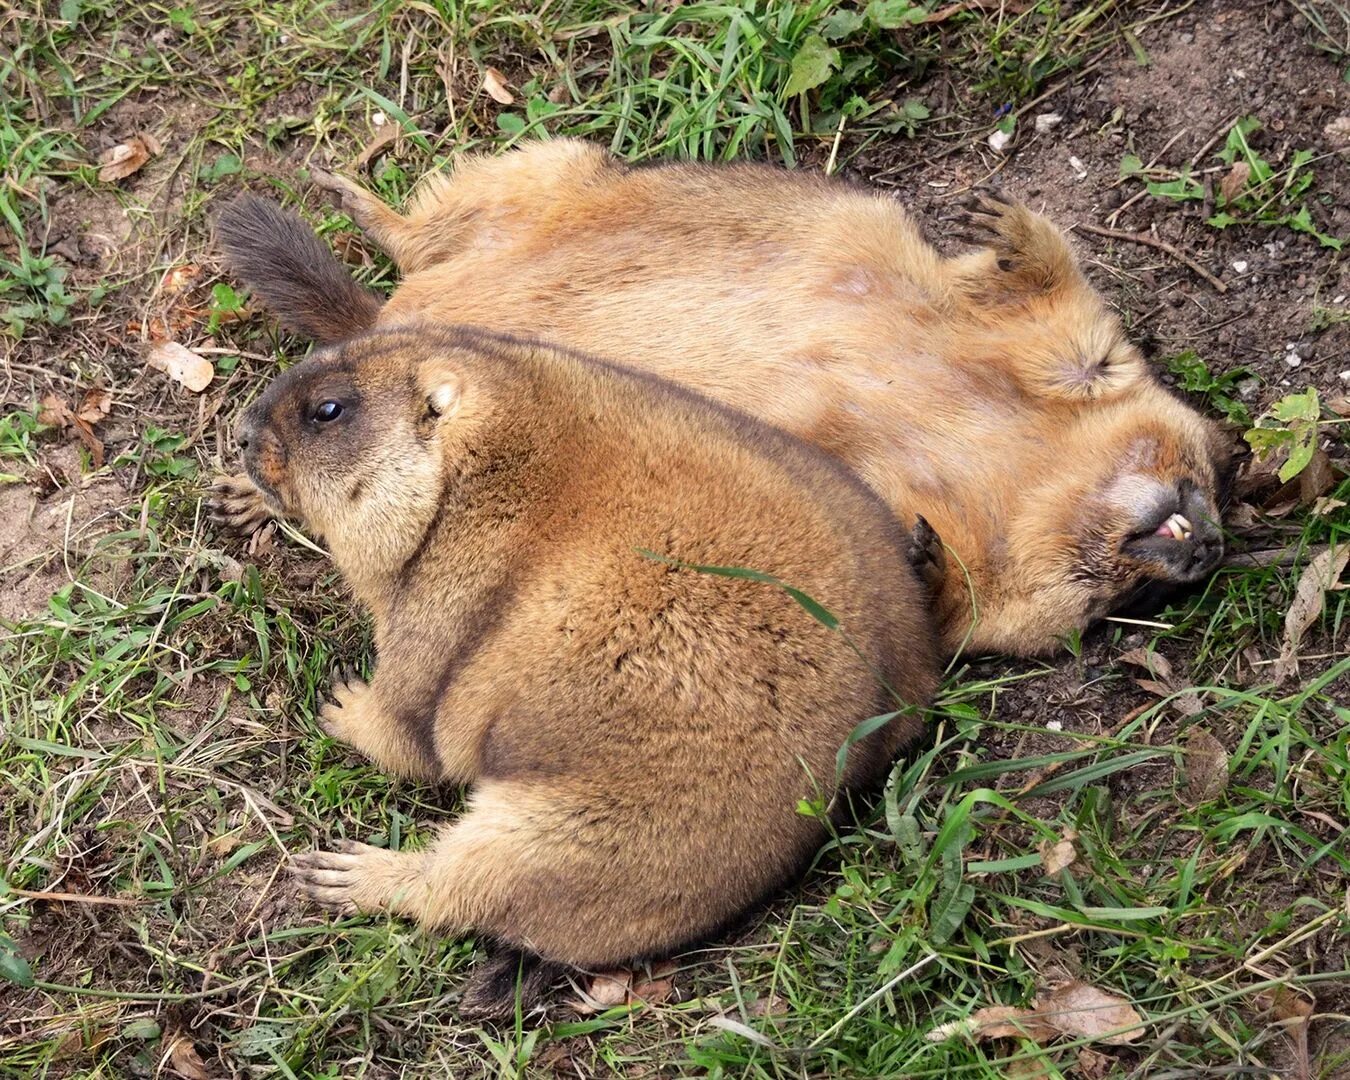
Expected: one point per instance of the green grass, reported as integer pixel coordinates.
(159, 746)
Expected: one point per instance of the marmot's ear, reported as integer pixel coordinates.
(442, 385)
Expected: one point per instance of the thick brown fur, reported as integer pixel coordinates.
(292, 271)
(637, 734)
(993, 393)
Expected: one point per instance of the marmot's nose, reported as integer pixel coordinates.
(247, 432)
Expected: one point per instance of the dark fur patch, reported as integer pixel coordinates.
(292, 271)
(499, 979)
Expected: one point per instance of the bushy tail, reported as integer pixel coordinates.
(292, 271)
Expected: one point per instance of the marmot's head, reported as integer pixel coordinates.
(353, 441)
(1131, 511)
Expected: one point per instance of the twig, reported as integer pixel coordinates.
(77, 898)
(1160, 245)
(1272, 557)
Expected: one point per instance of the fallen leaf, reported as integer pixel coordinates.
(1164, 683)
(1206, 762)
(1288, 1005)
(1340, 405)
(182, 365)
(54, 411)
(627, 987)
(1010, 1022)
(494, 82)
(1293, 1013)
(1085, 1012)
(91, 441)
(126, 158)
(183, 1059)
(385, 136)
(1093, 1065)
(1059, 855)
(94, 406)
(1325, 505)
(1316, 479)
(1322, 574)
(179, 279)
(1036, 1068)
(1231, 185)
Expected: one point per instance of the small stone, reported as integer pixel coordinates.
(1345, 377)
(1048, 122)
(1185, 38)
(1078, 167)
(999, 140)
(378, 119)
(1241, 266)
(1054, 725)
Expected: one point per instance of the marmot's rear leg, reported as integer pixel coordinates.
(1030, 253)
(545, 870)
(388, 228)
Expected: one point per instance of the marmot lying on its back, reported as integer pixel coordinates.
(637, 734)
(993, 393)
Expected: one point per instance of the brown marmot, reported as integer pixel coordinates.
(520, 521)
(993, 393)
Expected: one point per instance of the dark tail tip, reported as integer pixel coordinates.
(292, 271)
(507, 978)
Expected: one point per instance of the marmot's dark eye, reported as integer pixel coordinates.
(327, 410)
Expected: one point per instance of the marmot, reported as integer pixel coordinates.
(520, 521)
(993, 393)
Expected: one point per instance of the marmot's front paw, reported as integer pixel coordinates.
(237, 506)
(340, 880)
(340, 718)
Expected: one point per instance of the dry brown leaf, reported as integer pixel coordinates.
(1059, 855)
(494, 82)
(1316, 479)
(1010, 1022)
(1325, 505)
(94, 406)
(1231, 185)
(1322, 574)
(1029, 1069)
(183, 1059)
(182, 365)
(126, 158)
(179, 279)
(1093, 1065)
(1340, 405)
(1086, 1012)
(385, 136)
(627, 987)
(1206, 762)
(1288, 1005)
(54, 411)
(1164, 684)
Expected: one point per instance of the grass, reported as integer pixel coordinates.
(159, 746)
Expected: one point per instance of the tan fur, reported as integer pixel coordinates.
(994, 393)
(637, 734)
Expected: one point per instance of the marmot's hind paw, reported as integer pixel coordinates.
(1027, 247)
(236, 505)
(927, 555)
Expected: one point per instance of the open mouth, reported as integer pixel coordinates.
(1177, 526)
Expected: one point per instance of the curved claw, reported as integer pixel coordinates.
(236, 505)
